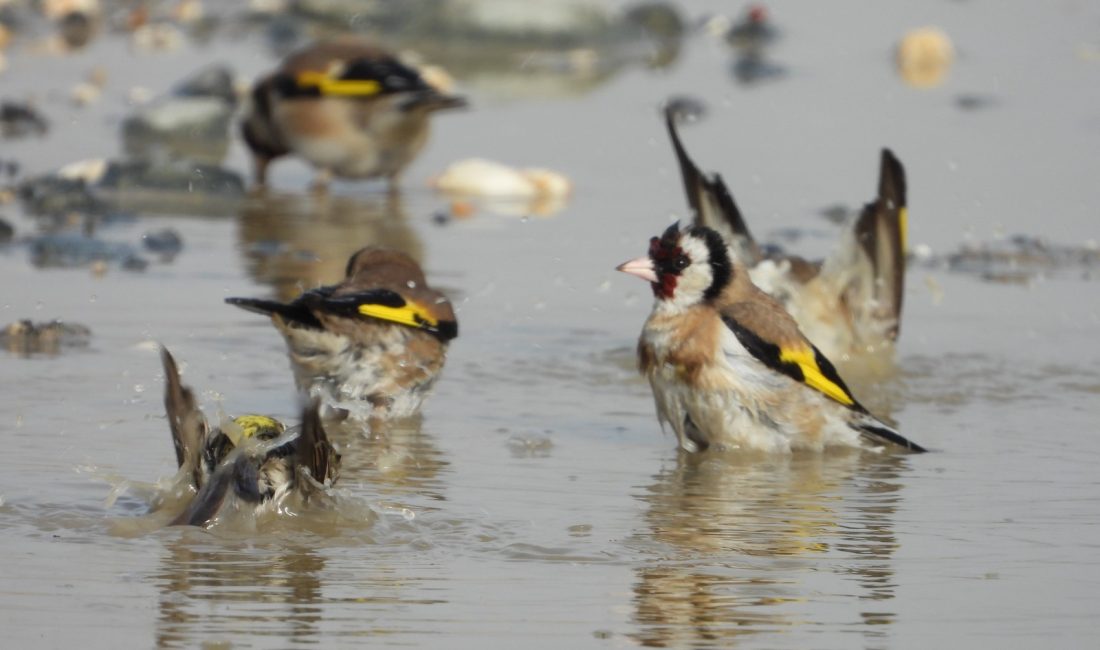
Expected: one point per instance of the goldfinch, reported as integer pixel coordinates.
(253, 458)
(346, 107)
(728, 365)
(376, 341)
(849, 304)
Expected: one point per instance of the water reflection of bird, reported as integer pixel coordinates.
(849, 305)
(346, 107)
(252, 459)
(728, 365)
(375, 341)
(291, 242)
(735, 537)
(199, 584)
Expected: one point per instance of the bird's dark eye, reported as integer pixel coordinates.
(681, 262)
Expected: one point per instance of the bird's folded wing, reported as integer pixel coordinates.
(386, 305)
(362, 77)
(788, 353)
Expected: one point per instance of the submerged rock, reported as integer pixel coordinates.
(25, 337)
(166, 242)
(196, 128)
(214, 82)
(76, 250)
(1021, 259)
(7, 231)
(20, 120)
(176, 176)
(56, 195)
(192, 122)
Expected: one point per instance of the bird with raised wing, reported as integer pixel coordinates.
(729, 367)
(848, 304)
(251, 461)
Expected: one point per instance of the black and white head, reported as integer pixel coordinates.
(684, 267)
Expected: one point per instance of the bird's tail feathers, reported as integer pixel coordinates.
(877, 432)
(294, 312)
(432, 100)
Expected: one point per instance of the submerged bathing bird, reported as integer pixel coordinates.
(729, 366)
(378, 339)
(849, 304)
(252, 458)
(348, 108)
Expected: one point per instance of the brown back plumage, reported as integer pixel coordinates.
(319, 57)
(381, 268)
(749, 305)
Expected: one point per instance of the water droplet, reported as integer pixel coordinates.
(411, 284)
(139, 388)
(93, 298)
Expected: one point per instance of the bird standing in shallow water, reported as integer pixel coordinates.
(849, 304)
(377, 340)
(728, 365)
(346, 107)
(252, 458)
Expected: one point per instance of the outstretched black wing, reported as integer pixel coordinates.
(185, 420)
(881, 232)
(297, 312)
(711, 201)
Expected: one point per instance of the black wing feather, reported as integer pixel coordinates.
(295, 312)
(708, 196)
(769, 354)
(348, 304)
(881, 234)
(766, 353)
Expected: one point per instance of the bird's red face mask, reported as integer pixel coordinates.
(662, 267)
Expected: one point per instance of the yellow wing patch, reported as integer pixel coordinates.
(903, 226)
(346, 87)
(249, 426)
(410, 314)
(805, 359)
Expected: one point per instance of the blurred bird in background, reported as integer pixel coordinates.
(348, 108)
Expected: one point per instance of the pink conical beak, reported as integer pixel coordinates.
(641, 267)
